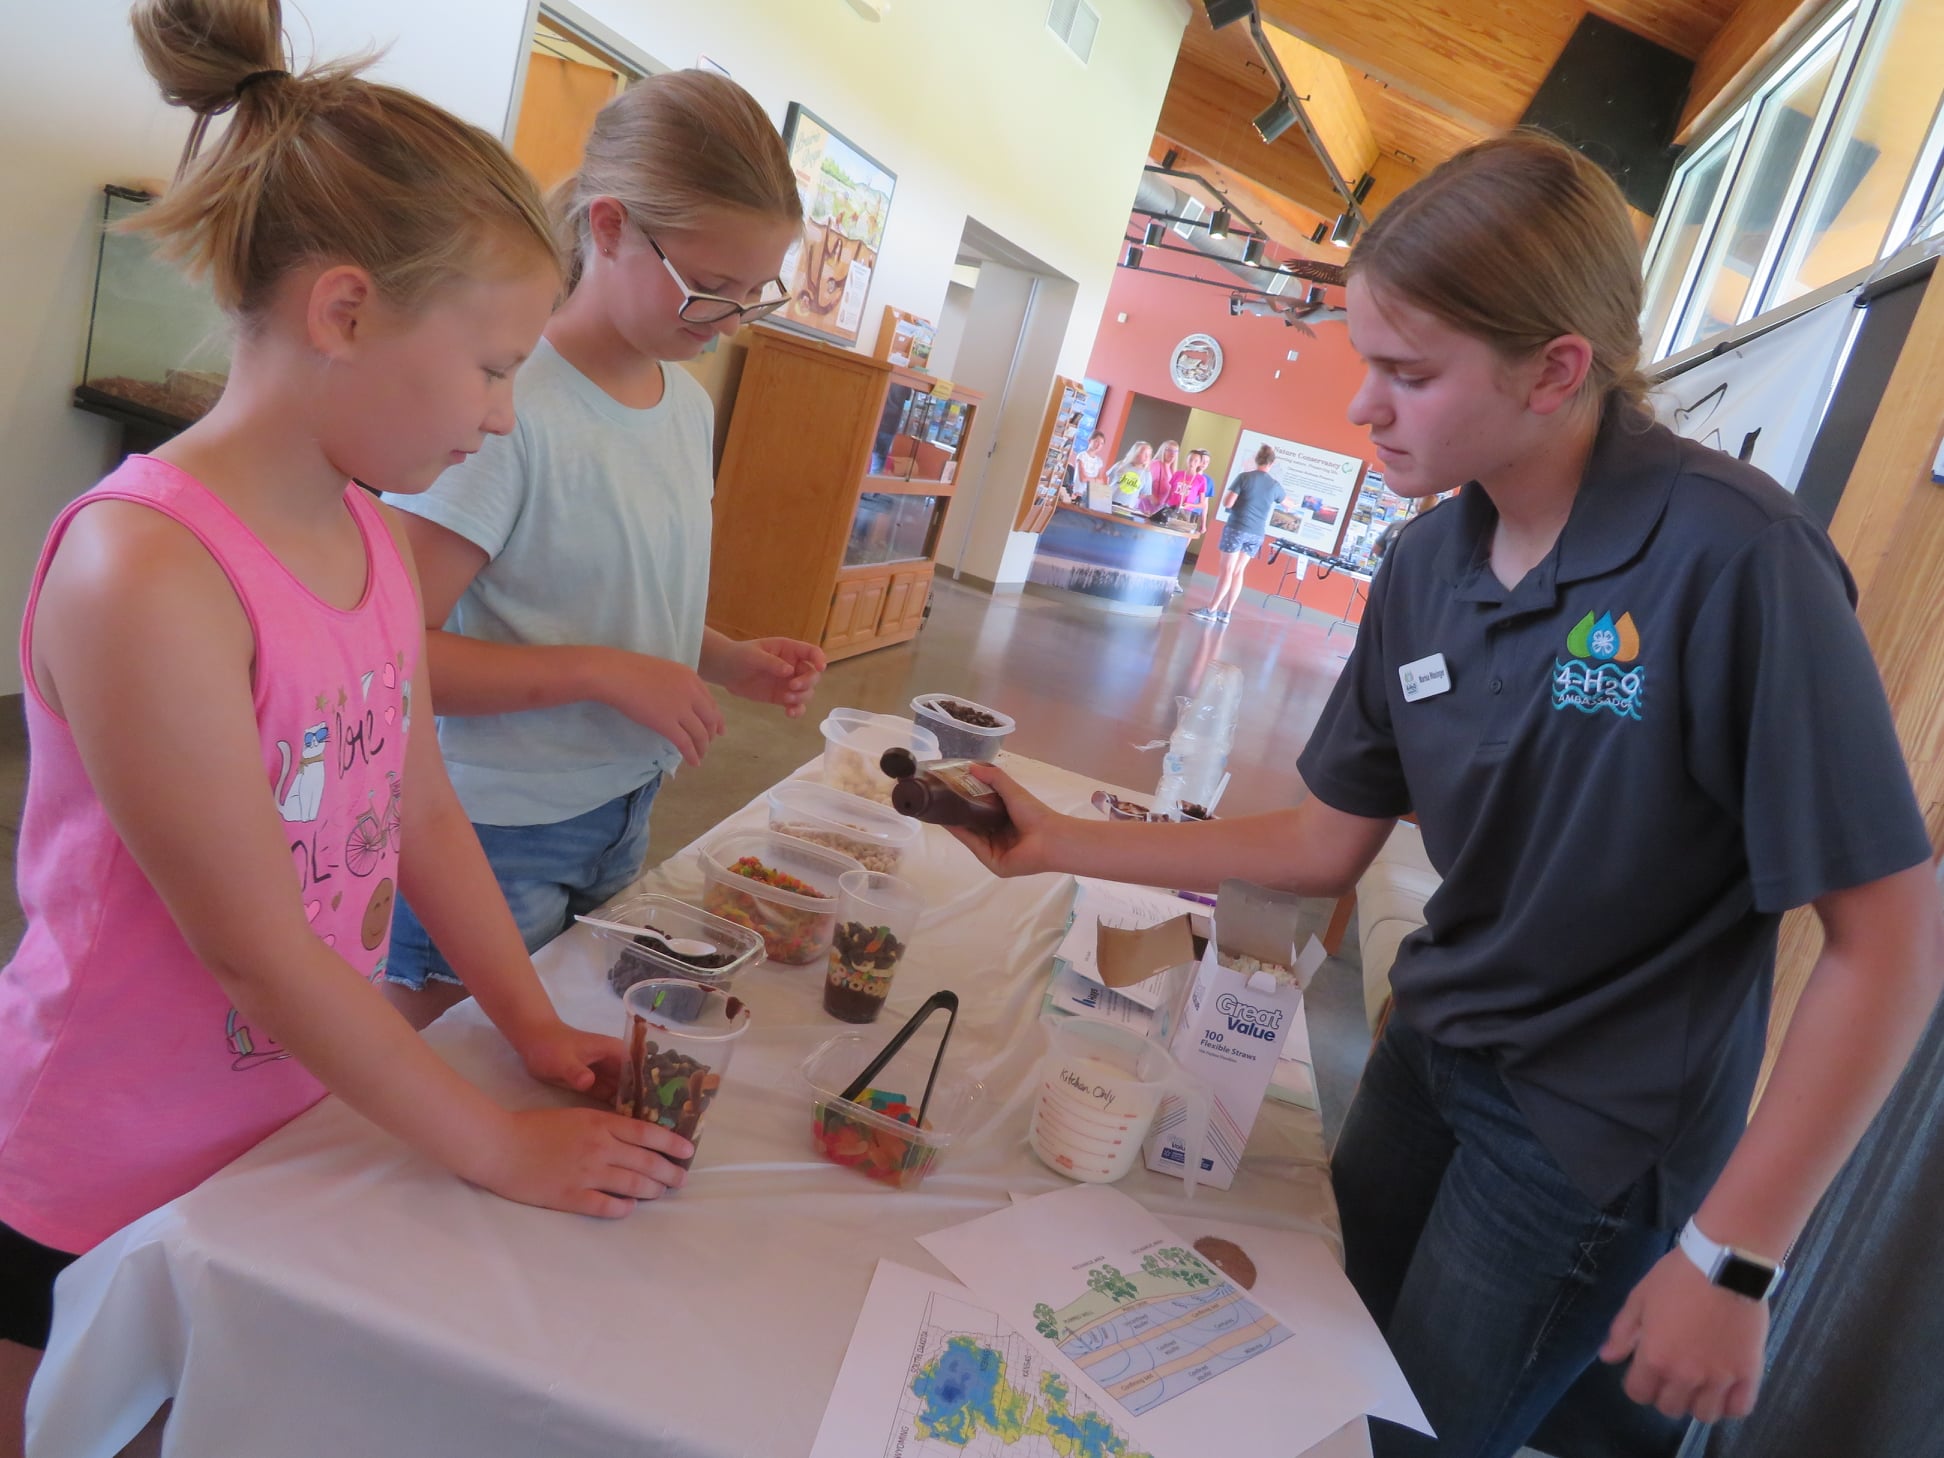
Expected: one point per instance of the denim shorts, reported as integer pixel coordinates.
(548, 873)
(1247, 543)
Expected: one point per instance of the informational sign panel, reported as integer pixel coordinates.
(1320, 487)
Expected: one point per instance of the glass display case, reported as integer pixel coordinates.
(919, 432)
(892, 528)
(158, 347)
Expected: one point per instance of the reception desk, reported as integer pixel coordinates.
(1122, 563)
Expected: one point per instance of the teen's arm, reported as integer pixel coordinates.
(137, 623)
(1696, 1348)
(1313, 850)
(477, 677)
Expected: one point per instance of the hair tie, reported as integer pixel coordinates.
(255, 76)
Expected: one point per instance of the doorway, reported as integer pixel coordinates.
(1003, 320)
(571, 68)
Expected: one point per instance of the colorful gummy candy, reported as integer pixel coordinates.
(883, 1154)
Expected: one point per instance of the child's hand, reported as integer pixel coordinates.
(1025, 847)
(669, 698)
(780, 671)
(584, 1161)
(570, 1058)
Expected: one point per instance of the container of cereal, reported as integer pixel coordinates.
(673, 940)
(965, 730)
(781, 888)
(874, 837)
(855, 740)
(877, 1134)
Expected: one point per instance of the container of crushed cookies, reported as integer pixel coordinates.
(876, 918)
(781, 888)
(678, 1036)
(854, 741)
(876, 838)
(877, 1133)
(965, 730)
(651, 936)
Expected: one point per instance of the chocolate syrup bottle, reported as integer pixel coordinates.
(945, 793)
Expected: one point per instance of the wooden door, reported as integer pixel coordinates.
(855, 608)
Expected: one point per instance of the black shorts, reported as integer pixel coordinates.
(27, 1272)
(1247, 543)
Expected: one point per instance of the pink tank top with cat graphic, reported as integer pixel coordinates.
(126, 1075)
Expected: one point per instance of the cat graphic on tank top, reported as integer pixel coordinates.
(300, 791)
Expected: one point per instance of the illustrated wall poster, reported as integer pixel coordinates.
(1320, 488)
(846, 202)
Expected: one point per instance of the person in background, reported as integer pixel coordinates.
(1130, 475)
(1161, 474)
(1251, 498)
(1089, 466)
(566, 565)
(1620, 682)
(1188, 488)
(220, 651)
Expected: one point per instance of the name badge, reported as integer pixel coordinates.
(1425, 679)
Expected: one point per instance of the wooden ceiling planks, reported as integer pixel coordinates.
(1205, 112)
(1406, 129)
(1685, 27)
(1323, 83)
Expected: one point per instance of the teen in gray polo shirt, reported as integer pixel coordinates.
(1619, 682)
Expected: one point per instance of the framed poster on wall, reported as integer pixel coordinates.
(1319, 487)
(846, 202)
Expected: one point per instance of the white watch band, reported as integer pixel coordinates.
(1710, 1257)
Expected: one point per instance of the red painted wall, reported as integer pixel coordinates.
(1310, 403)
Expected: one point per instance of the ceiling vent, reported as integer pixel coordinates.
(1076, 23)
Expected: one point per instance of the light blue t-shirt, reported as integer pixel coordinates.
(596, 521)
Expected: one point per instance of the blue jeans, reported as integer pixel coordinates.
(548, 873)
(1493, 1278)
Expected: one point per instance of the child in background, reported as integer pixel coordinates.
(1188, 488)
(566, 565)
(220, 650)
(1161, 474)
(1129, 475)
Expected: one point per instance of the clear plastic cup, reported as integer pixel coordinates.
(679, 1036)
(876, 917)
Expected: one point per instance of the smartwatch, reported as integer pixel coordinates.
(1740, 1271)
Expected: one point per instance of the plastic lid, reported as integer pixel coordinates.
(827, 806)
(872, 734)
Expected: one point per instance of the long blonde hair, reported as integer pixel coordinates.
(320, 166)
(1516, 241)
(671, 148)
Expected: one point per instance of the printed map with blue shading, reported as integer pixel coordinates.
(978, 1389)
(1160, 1331)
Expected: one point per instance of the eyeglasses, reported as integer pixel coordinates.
(700, 308)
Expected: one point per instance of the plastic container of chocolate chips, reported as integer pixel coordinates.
(659, 949)
(956, 738)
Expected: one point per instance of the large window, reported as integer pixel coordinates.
(1820, 173)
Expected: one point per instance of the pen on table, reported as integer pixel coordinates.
(1196, 897)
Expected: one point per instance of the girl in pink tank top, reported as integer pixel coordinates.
(232, 772)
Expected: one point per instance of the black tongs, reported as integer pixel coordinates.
(946, 1000)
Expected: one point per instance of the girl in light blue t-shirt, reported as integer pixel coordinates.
(565, 566)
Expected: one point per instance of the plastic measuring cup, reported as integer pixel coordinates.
(1100, 1088)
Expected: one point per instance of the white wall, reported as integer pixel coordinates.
(951, 330)
(972, 103)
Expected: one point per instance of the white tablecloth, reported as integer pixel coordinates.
(333, 1293)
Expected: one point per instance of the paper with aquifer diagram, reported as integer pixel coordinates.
(1146, 1333)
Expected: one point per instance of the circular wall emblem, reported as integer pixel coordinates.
(1195, 363)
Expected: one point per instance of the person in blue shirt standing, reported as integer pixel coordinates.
(1252, 497)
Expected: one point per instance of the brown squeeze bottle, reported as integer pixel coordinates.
(945, 793)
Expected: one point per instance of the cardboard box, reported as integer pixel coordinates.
(1232, 1026)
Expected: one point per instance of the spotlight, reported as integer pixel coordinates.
(1314, 296)
(1345, 231)
(1235, 306)
(1227, 12)
(1362, 189)
(1319, 232)
(1154, 233)
(1279, 118)
(1252, 253)
(1169, 158)
(1218, 223)
(1133, 258)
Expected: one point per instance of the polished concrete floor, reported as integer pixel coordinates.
(1086, 687)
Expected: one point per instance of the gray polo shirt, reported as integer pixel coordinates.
(1256, 495)
(1670, 732)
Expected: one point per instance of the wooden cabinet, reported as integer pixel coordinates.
(835, 478)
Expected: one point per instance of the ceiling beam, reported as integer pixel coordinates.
(1477, 61)
(1322, 88)
(1285, 223)
(1203, 113)
(1751, 37)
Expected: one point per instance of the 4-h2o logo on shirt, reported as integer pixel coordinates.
(1596, 675)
